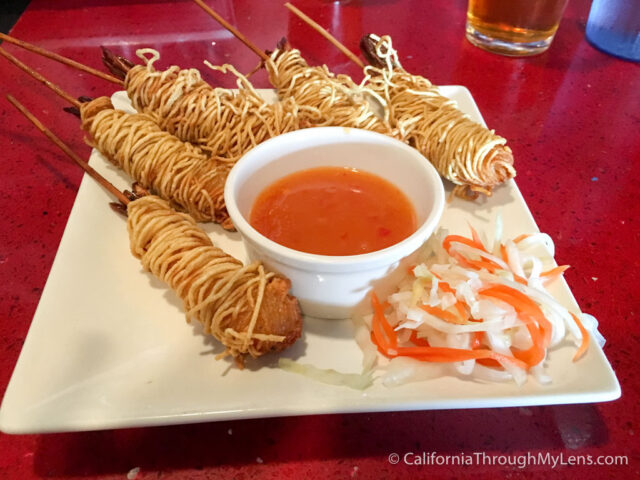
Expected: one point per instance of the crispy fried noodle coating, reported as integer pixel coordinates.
(246, 308)
(471, 156)
(182, 103)
(337, 99)
(226, 123)
(175, 170)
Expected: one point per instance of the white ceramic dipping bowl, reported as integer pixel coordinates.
(335, 286)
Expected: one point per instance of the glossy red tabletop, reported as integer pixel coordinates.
(572, 117)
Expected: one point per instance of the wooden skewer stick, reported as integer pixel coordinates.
(84, 165)
(39, 77)
(325, 34)
(61, 59)
(232, 29)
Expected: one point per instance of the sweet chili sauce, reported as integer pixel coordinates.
(333, 211)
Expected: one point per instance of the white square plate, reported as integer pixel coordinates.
(109, 347)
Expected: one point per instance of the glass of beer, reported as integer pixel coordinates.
(514, 27)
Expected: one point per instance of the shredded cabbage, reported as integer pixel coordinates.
(330, 376)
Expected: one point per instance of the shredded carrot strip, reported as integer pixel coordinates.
(520, 279)
(374, 340)
(381, 321)
(534, 354)
(523, 304)
(555, 271)
(443, 354)
(584, 344)
(461, 259)
(503, 253)
(527, 308)
(442, 314)
(445, 287)
(464, 315)
(490, 265)
(476, 343)
(489, 362)
(476, 238)
(505, 259)
(476, 340)
(477, 264)
(519, 301)
(486, 263)
(460, 305)
(519, 238)
(378, 336)
(426, 353)
(449, 239)
(420, 342)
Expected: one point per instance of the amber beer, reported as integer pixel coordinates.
(514, 27)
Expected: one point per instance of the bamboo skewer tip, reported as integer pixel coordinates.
(70, 153)
(236, 33)
(322, 31)
(25, 68)
(60, 58)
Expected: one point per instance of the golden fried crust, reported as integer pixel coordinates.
(503, 161)
(279, 315)
(498, 169)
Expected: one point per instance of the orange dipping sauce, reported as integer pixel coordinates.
(333, 211)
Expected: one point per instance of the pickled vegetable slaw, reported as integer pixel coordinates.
(475, 309)
(471, 308)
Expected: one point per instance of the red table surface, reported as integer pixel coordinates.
(572, 117)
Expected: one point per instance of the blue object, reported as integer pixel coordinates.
(614, 27)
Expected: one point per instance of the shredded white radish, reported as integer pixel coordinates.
(538, 239)
(513, 256)
(541, 377)
(501, 344)
(497, 239)
(363, 339)
(590, 323)
(403, 370)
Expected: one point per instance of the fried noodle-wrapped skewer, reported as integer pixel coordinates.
(341, 101)
(159, 161)
(177, 171)
(247, 308)
(227, 123)
(337, 99)
(474, 158)
(224, 122)
(471, 156)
